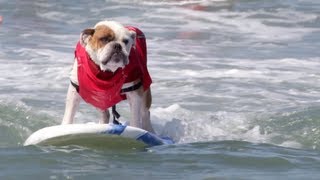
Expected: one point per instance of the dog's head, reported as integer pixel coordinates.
(108, 44)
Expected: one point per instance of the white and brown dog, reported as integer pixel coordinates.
(111, 66)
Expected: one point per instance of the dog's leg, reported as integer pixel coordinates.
(72, 103)
(135, 101)
(140, 103)
(145, 111)
(105, 116)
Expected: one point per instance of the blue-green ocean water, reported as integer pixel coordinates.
(236, 83)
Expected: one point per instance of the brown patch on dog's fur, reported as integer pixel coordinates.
(101, 36)
(88, 32)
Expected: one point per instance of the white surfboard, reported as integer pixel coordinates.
(108, 135)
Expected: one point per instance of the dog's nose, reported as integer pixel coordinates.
(117, 47)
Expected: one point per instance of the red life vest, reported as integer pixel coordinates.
(102, 89)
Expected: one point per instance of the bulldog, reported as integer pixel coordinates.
(110, 66)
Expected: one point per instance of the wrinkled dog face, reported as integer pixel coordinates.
(108, 44)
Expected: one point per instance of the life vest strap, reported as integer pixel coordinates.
(76, 86)
(131, 88)
(115, 115)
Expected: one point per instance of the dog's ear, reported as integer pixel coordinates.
(85, 36)
(133, 36)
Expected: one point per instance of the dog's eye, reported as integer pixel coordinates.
(105, 39)
(125, 41)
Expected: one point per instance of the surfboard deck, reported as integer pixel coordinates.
(91, 134)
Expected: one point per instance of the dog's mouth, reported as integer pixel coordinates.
(114, 61)
(119, 57)
(116, 58)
